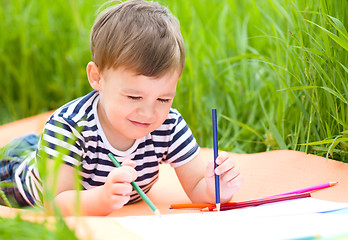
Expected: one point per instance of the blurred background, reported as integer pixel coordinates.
(276, 70)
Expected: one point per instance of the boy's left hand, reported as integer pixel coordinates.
(230, 178)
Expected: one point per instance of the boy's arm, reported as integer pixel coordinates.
(98, 201)
(197, 178)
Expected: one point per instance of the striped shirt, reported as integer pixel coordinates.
(74, 135)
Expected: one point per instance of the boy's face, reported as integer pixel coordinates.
(131, 106)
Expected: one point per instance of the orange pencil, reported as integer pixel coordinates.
(191, 205)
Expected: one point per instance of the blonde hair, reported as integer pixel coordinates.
(139, 35)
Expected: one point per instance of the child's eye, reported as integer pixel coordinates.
(163, 100)
(134, 98)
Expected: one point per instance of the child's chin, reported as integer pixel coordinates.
(138, 134)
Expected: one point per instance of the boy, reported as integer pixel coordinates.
(138, 56)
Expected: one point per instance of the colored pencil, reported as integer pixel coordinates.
(257, 202)
(216, 153)
(303, 190)
(191, 205)
(137, 188)
(308, 189)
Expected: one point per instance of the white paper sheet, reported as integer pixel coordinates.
(283, 220)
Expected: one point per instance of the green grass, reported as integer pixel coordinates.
(17, 228)
(276, 70)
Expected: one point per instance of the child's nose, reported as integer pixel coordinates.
(147, 111)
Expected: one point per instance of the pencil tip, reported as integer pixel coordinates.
(157, 212)
(218, 207)
(206, 209)
(333, 183)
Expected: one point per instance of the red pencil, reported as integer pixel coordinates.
(257, 202)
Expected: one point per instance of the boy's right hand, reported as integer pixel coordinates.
(116, 191)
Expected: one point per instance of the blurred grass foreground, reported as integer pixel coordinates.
(276, 70)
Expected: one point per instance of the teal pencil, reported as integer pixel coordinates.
(137, 188)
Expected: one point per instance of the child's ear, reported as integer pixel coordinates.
(93, 75)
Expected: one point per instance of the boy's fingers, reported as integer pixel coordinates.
(224, 167)
(129, 163)
(123, 174)
(123, 189)
(230, 175)
(222, 157)
(119, 201)
(132, 171)
(236, 182)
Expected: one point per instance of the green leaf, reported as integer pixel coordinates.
(339, 26)
(244, 56)
(344, 67)
(244, 126)
(332, 146)
(323, 141)
(297, 88)
(273, 128)
(333, 92)
(342, 42)
(338, 95)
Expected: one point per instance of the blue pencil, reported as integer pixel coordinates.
(216, 153)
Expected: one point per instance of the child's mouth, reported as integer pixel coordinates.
(139, 124)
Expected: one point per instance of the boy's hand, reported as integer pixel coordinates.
(116, 191)
(230, 178)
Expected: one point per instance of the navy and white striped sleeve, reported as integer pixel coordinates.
(61, 139)
(182, 145)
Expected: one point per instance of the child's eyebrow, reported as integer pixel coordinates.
(131, 91)
(170, 94)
